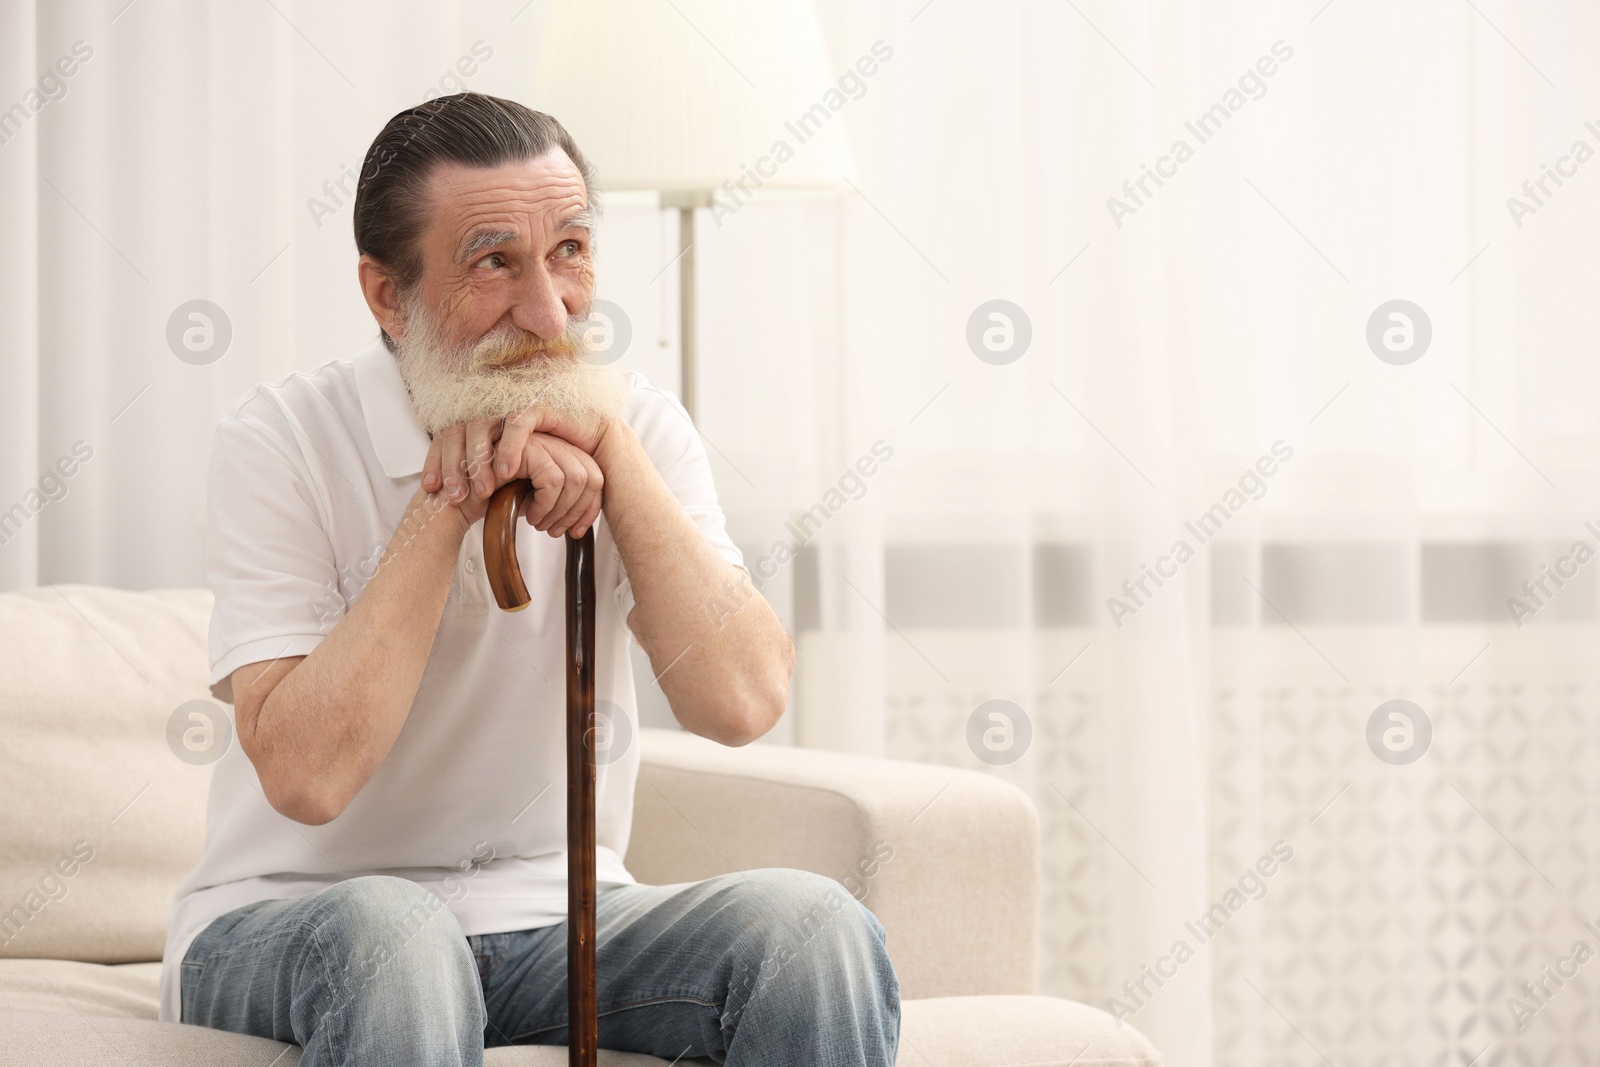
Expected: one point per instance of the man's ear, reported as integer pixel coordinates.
(383, 296)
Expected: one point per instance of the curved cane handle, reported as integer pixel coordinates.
(500, 545)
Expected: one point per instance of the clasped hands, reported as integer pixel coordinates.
(469, 462)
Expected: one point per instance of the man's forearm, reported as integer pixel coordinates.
(720, 653)
(327, 726)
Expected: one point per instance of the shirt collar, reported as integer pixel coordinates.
(397, 437)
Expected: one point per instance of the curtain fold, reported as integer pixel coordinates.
(19, 299)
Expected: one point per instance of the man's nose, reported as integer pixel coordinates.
(539, 308)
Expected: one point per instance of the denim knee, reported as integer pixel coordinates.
(807, 923)
(390, 939)
(800, 948)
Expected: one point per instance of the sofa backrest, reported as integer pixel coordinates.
(101, 815)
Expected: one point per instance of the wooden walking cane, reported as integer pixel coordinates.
(505, 579)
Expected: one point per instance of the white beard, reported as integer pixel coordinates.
(506, 371)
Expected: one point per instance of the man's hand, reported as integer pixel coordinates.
(566, 479)
(586, 431)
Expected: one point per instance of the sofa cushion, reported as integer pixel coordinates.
(126, 991)
(1015, 1030)
(103, 819)
(80, 1040)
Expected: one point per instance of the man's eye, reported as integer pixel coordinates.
(493, 259)
(570, 248)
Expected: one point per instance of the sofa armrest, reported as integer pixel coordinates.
(947, 859)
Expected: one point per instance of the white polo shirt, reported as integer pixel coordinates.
(309, 478)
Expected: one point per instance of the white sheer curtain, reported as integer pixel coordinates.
(1227, 313)
(199, 152)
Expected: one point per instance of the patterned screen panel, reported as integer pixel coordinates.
(1439, 910)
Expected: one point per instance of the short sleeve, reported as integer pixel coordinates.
(270, 564)
(679, 456)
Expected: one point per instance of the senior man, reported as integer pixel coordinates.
(384, 875)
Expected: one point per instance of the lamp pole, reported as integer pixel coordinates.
(687, 202)
(686, 323)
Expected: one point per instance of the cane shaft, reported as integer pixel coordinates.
(583, 1010)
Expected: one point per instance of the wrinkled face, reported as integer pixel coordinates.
(508, 247)
(494, 325)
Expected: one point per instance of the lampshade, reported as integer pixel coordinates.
(681, 97)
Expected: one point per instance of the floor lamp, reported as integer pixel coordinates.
(692, 100)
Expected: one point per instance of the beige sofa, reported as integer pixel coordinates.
(90, 786)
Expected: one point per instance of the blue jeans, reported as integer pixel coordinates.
(755, 969)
